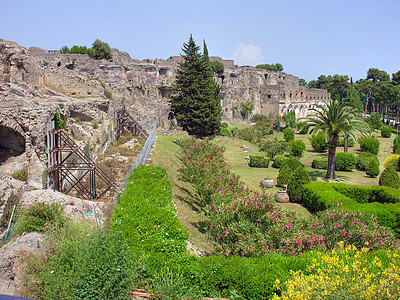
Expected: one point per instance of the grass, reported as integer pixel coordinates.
(183, 194)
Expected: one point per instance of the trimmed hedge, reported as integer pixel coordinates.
(259, 161)
(345, 162)
(390, 177)
(224, 132)
(372, 170)
(318, 142)
(369, 144)
(284, 176)
(292, 163)
(297, 147)
(277, 161)
(320, 163)
(363, 159)
(382, 201)
(386, 131)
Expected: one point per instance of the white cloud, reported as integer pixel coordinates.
(248, 55)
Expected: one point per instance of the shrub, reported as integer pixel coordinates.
(284, 175)
(396, 147)
(386, 131)
(295, 184)
(108, 94)
(345, 162)
(389, 177)
(258, 161)
(38, 216)
(392, 160)
(277, 161)
(21, 174)
(224, 125)
(224, 132)
(297, 147)
(275, 147)
(363, 160)
(288, 134)
(292, 163)
(372, 169)
(318, 142)
(320, 163)
(369, 144)
(101, 50)
(217, 67)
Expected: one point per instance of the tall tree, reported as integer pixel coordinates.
(195, 103)
(376, 75)
(396, 77)
(334, 118)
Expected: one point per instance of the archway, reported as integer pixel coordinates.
(12, 143)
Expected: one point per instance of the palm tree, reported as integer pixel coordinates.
(335, 117)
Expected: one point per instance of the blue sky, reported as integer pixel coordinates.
(309, 37)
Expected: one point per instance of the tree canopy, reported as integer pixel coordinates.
(195, 103)
(272, 67)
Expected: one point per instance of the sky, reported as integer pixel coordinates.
(308, 37)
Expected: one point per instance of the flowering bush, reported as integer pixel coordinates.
(348, 273)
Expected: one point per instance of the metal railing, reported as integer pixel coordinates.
(141, 160)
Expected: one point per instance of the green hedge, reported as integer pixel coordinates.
(320, 163)
(382, 201)
(259, 161)
(386, 131)
(363, 160)
(345, 162)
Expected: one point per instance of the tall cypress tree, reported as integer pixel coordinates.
(195, 103)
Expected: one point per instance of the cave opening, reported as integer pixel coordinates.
(12, 143)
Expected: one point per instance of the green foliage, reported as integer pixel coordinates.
(396, 147)
(64, 50)
(101, 50)
(318, 142)
(369, 144)
(274, 147)
(21, 174)
(345, 161)
(386, 131)
(108, 94)
(277, 160)
(60, 123)
(288, 134)
(375, 120)
(195, 102)
(224, 132)
(258, 161)
(297, 147)
(82, 262)
(80, 50)
(272, 67)
(372, 169)
(284, 175)
(290, 119)
(363, 160)
(292, 163)
(295, 185)
(95, 124)
(320, 163)
(390, 177)
(217, 67)
(245, 108)
(254, 134)
(303, 128)
(38, 216)
(224, 125)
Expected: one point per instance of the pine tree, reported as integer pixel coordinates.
(195, 104)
